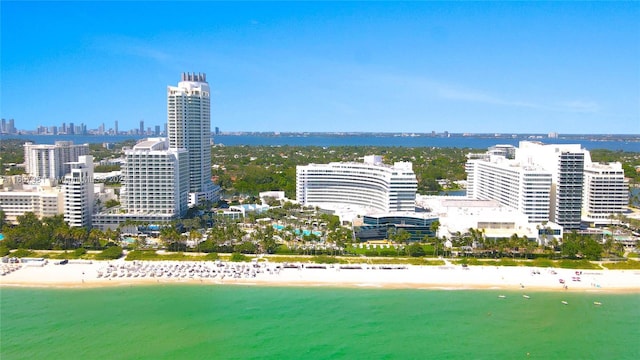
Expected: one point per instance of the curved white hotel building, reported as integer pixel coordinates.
(370, 184)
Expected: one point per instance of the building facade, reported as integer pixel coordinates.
(371, 185)
(189, 127)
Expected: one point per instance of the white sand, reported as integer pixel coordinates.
(441, 277)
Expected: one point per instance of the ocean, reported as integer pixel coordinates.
(250, 322)
(364, 140)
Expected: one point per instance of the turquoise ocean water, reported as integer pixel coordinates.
(241, 322)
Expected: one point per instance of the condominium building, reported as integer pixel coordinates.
(155, 185)
(606, 192)
(78, 193)
(189, 127)
(526, 189)
(370, 185)
(45, 161)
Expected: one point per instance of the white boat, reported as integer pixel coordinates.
(501, 296)
(597, 303)
(564, 302)
(526, 296)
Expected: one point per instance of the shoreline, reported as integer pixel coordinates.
(119, 273)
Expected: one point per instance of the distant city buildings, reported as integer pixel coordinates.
(7, 126)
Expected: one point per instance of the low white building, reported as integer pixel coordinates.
(40, 198)
(459, 214)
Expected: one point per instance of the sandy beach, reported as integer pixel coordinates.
(125, 273)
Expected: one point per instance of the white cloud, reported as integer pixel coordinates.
(580, 106)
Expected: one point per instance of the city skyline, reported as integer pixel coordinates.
(352, 67)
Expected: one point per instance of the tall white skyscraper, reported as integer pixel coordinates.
(189, 127)
(78, 192)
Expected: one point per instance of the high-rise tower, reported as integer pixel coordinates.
(189, 127)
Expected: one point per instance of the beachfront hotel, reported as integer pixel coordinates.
(45, 161)
(370, 185)
(189, 127)
(155, 185)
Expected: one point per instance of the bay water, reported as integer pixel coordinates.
(624, 143)
(254, 322)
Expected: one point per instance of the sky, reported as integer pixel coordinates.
(474, 67)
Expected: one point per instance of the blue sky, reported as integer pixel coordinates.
(490, 67)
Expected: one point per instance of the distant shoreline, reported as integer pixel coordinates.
(629, 143)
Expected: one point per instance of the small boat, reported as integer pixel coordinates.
(501, 296)
(526, 296)
(564, 302)
(598, 303)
